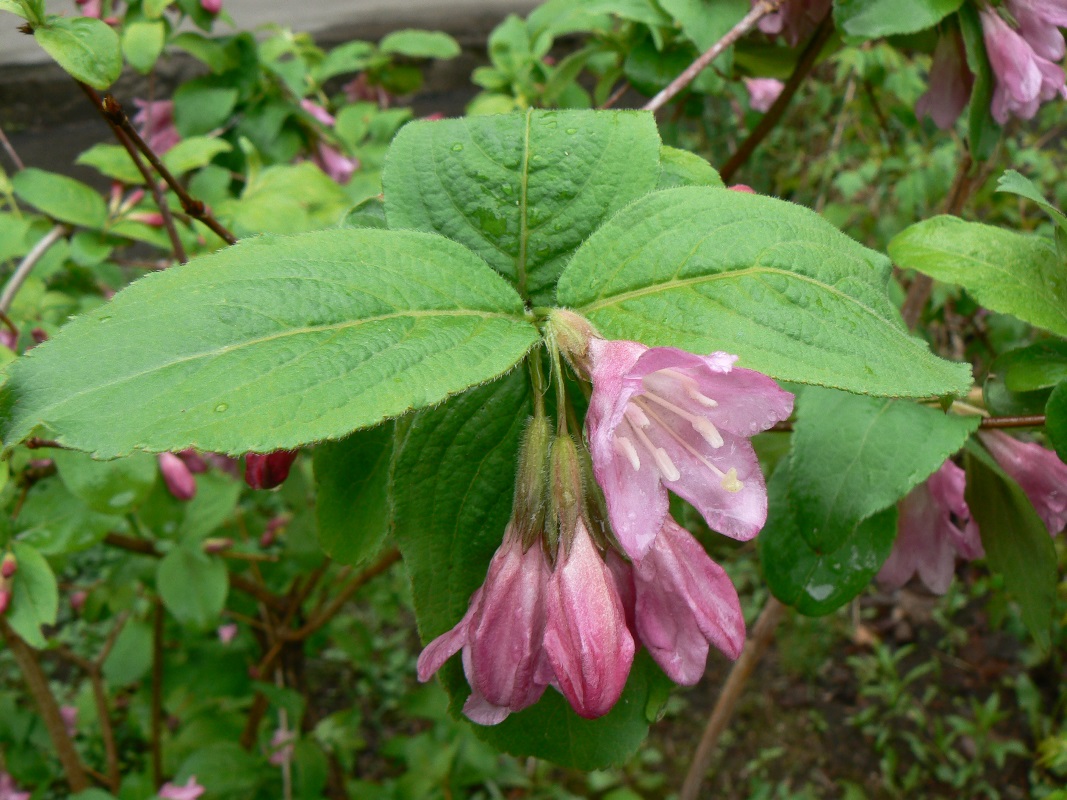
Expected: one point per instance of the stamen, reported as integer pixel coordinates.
(663, 461)
(702, 426)
(626, 447)
(703, 399)
(692, 388)
(688, 447)
(636, 416)
(730, 482)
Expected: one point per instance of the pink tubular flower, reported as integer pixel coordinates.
(211, 6)
(180, 481)
(935, 529)
(795, 19)
(155, 123)
(762, 92)
(267, 470)
(1037, 470)
(950, 82)
(587, 641)
(1039, 21)
(190, 791)
(334, 163)
(90, 8)
(1023, 79)
(661, 418)
(684, 601)
(8, 789)
(500, 635)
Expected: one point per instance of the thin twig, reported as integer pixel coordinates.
(1034, 421)
(157, 694)
(128, 143)
(37, 682)
(387, 560)
(25, 267)
(755, 647)
(774, 114)
(11, 151)
(116, 116)
(616, 95)
(747, 23)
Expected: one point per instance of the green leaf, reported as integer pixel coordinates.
(60, 197)
(288, 198)
(352, 493)
(113, 161)
(349, 57)
(1037, 366)
(1015, 183)
(14, 8)
(705, 22)
(109, 487)
(818, 582)
(223, 768)
(453, 480)
(153, 9)
(142, 42)
(131, 657)
(55, 521)
(203, 104)
(34, 595)
(854, 456)
(682, 168)
(704, 270)
(420, 44)
(1056, 420)
(87, 49)
(192, 586)
(1010, 272)
(368, 214)
(1001, 401)
(874, 19)
(1016, 541)
(983, 130)
(193, 153)
(213, 53)
(271, 344)
(521, 190)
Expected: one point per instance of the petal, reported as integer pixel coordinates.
(437, 652)
(637, 501)
(478, 709)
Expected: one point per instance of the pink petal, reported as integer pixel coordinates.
(1037, 470)
(437, 652)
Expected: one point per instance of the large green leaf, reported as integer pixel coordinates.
(521, 190)
(816, 582)
(352, 493)
(1016, 541)
(60, 197)
(87, 49)
(873, 19)
(452, 482)
(705, 269)
(854, 456)
(1010, 272)
(56, 522)
(273, 343)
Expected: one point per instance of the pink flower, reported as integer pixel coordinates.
(90, 8)
(500, 635)
(661, 418)
(335, 164)
(190, 791)
(587, 641)
(155, 123)
(1023, 79)
(265, 471)
(950, 82)
(227, 633)
(935, 528)
(281, 746)
(1037, 470)
(211, 6)
(1039, 21)
(69, 715)
(9, 565)
(318, 112)
(196, 464)
(795, 19)
(762, 92)
(8, 789)
(180, 481)
(684, 601)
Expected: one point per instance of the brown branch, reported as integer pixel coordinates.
(153, 185)
(37, 683)
(755, 647)
(616, 96)
(116, 116)
(747, 23)
(11, 151)
(774, 114)
(157, 694)
(1035, 421)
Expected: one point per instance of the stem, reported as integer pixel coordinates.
(755, 647)
(157, 694)
(1035, 421)
(537, 379)
(387, 560)
(37, 683)
(25, 267)
(616, 96)
(774, 114)
(112, 111)
(747, 23)
(11, 151)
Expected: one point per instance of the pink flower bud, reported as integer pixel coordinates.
(217, 544)
(5, 598)
(190, 790)
(8, 789)
(180, 481)
(193, 461)
(39, 335)
(1038, 471)
(267, 470)
(70, 719)
(211, 6)
(77, 600)
(741, 187)
(8, 565)
(318, 112)
(762, 92)
(950, 82)
(227, 633)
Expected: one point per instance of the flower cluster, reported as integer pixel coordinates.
(936, 528)
(589, 570)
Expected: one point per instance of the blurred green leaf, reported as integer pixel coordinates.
(60, 197)
(34, 595)
(87, 49)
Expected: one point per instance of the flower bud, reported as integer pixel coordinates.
(217, 544)
(567, 493)
(77, 600)
(531, 495)
(8, 565)
(572, 333)
(180, 481)
(211, 6)
(5, 599)
(267, 470)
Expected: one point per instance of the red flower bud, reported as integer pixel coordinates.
(267, 470)
(176, 475)
(8, 565)
(5, 599)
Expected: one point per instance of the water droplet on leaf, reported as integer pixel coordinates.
(221, 407)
